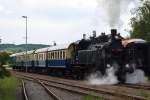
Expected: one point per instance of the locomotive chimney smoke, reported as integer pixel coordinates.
(84, 36)
(111, 11)
(94, 33)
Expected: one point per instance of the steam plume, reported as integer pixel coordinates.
(108, 78)
(111, 10)
(136, 77)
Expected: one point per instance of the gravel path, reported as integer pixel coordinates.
(36, 92)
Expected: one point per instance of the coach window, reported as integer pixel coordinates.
(55, 55)
(60, 54)
(43, 56)
(40, 57)
(63, 54)
(49, 55)
(52, 55)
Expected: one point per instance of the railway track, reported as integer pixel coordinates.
(49, 91)
(24, 91)
(84, 90)
(26, 97)
(136, 86)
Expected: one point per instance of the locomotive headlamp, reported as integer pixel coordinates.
(127, 66)
(108, 65)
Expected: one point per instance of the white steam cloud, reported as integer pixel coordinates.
(107, 79)
(111, 10)
(136, 77)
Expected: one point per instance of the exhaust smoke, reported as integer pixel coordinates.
(108, 79)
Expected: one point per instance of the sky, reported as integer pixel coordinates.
(63, 21)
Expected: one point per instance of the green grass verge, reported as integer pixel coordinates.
(145, 94)
(8, 87)
(89, 97)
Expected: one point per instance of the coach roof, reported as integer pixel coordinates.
(41, 50)
(58, 47)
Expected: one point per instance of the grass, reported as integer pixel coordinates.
(8, 87)
(145, 94)
(89, 97)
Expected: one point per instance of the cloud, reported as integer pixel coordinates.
(49, 20)
(43, 30)
(42, 4)
(1, 8)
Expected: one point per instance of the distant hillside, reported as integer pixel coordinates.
(18, 48)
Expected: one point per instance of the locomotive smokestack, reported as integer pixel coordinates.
(94, 33)
(113, 32)
(84, 36)
(54, 43)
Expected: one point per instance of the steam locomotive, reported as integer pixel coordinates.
(85, 56)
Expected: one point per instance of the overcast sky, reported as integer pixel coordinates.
(62, 21)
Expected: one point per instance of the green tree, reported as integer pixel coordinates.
(4, 57)
(141, 22)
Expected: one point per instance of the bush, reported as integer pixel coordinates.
(4, 73)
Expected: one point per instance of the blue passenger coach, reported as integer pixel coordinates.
(57, 56)
(29, 61)
(40, 57)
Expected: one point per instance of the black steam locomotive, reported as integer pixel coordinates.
(86, 56)
(105, 51)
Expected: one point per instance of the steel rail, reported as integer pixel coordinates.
(134, 97)
(136, 86)
(24, 91)
(43, 85)
(49, 91)
(66, 89)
